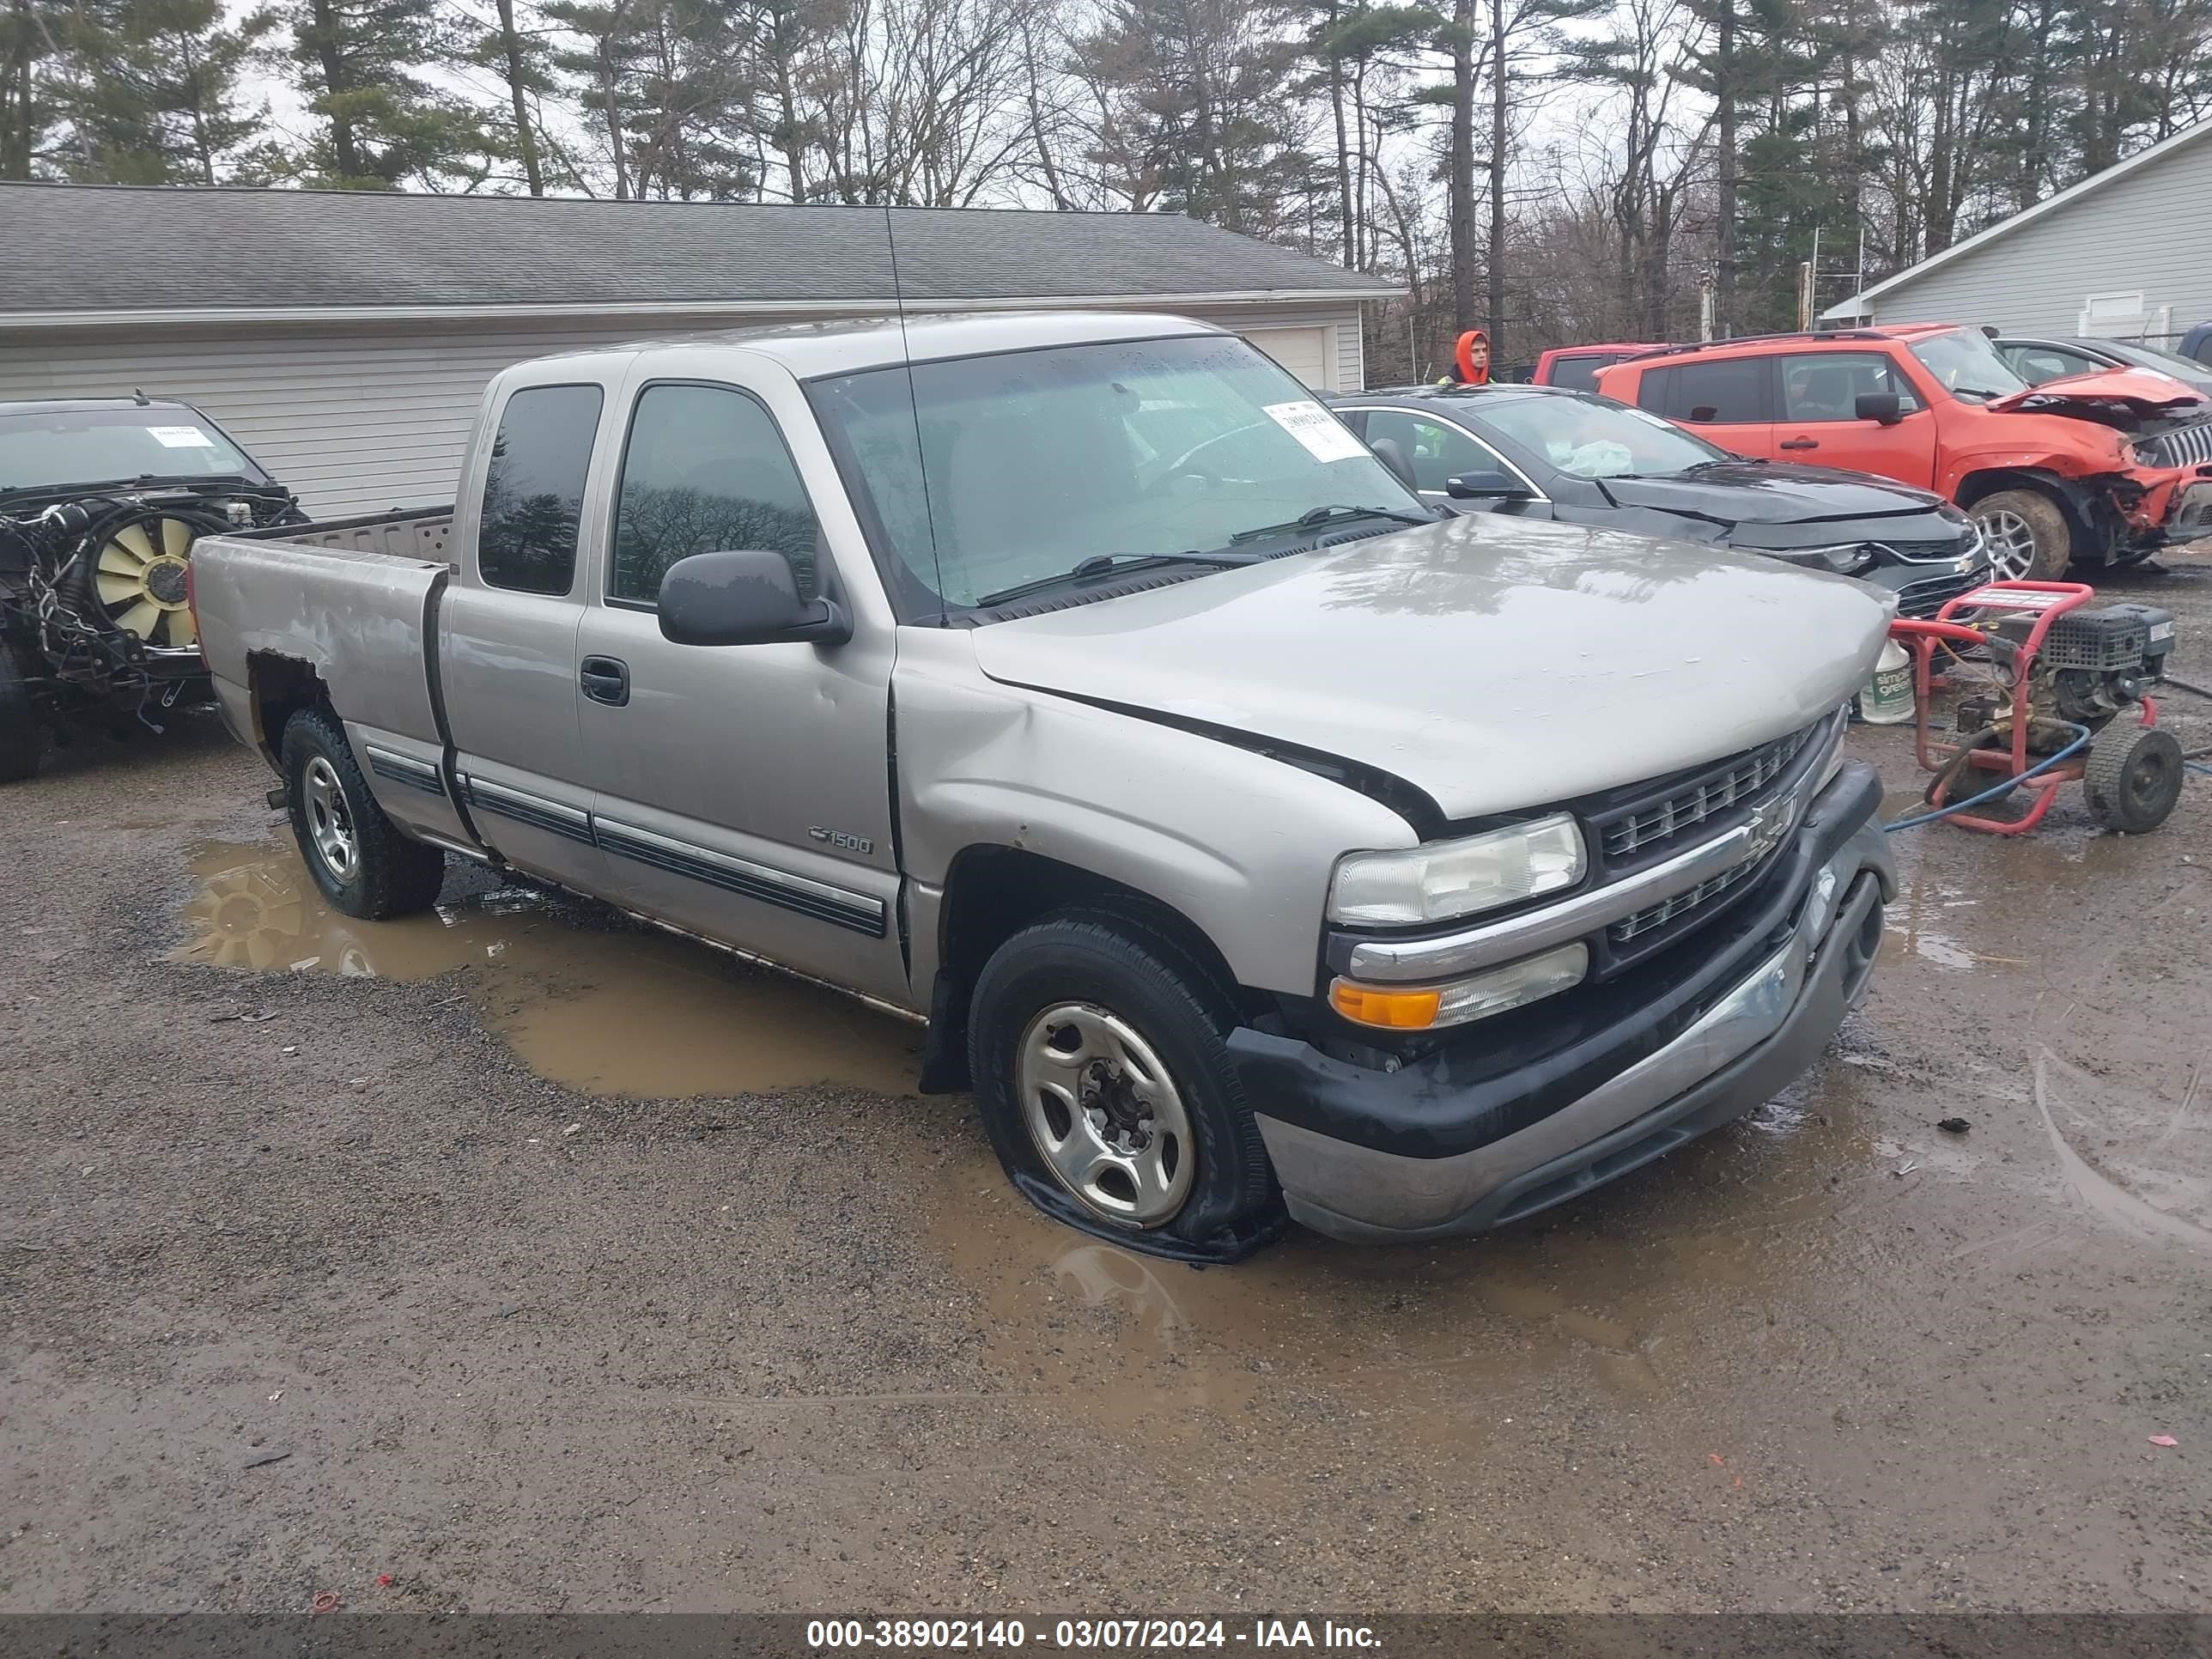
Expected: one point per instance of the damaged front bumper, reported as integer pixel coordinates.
(1419, 1153)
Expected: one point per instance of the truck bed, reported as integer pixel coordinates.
(354, 601)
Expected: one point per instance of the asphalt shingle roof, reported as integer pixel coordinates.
(77, 248)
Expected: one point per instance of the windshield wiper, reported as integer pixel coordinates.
(1314, 518)
(1110, 564)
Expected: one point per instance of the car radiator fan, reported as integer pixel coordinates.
(139, 576)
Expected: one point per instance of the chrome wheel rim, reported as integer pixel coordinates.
(2011, 543)
(329, 825)
(1105, 1114)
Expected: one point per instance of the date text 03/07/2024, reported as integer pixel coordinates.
(1123, 1635)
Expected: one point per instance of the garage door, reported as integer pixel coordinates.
(1303, 352)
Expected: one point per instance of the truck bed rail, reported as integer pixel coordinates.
(412, 533)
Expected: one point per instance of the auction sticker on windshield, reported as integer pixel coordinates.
(179, 437)
(1325, 436)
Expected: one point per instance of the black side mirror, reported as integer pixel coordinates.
(744, 599)
(1387, 451)
(1884, 406)
(1487, 486)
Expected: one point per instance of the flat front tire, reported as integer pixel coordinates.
(356, 855)
(1096, 1045)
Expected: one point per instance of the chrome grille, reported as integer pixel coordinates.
(1704, 795)
(1925, 599)
(1931, 552)
(1659, 914)
(2188, 446)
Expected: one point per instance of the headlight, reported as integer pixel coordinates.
(1423, 1008)
(1846, 559)
(1457, 877)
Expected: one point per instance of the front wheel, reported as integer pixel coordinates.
(2027, 535)
(1096, 1043)
(356, 854)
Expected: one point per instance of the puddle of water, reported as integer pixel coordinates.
(582, 999)
(1440, 1339)
(1924, 923)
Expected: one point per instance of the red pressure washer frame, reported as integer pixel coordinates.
(2050, 600)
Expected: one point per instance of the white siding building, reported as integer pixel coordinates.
(344, 339)
(2126, 253)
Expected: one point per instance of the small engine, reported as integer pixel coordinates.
(2091, 664)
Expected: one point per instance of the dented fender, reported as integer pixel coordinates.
(1241, 844)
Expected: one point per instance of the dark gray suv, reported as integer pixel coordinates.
(1548, 453)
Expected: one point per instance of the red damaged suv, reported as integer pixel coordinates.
(2101, 468)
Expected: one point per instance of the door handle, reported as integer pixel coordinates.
(1799, 443)
(606, 679)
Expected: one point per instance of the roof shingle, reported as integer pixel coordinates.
(78, 248)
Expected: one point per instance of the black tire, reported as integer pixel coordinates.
(19, 725)
(2134, 781)
(389, 874)
(1140, 975)
(2043, 520)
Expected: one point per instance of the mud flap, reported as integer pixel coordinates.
(944, 1039)
(1226, 1247)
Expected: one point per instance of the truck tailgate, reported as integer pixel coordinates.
(364, 621)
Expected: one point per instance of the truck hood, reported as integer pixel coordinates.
(1748, 492)
(2120, 398)
(1494, 664)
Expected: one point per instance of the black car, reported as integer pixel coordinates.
(2038, 358)
(100, 500)
(1549, 452)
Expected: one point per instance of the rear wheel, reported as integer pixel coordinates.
(1096, 1044)
(2027, 535)
(356, 855)
(2134, 783)
(19, 727)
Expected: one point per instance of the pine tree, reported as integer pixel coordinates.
(359, 63)
(520, 57)
(27, 111)
(1199, 86)
(150, 92)
(664, 84)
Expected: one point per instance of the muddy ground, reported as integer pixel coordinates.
(538, 1264)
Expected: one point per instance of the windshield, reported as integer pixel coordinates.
(1596, 437)
(1037, 460)
(97, 445)
(1967, 366)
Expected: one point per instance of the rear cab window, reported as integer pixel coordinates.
(533, 498)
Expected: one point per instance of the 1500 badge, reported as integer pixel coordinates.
(840, 841)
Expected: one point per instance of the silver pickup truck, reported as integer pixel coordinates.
(1251, 840)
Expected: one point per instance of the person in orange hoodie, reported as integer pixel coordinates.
(1470, 361)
